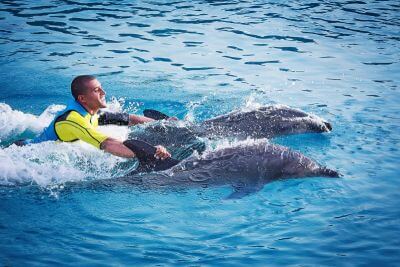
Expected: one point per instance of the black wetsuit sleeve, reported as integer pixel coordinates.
(118, 118)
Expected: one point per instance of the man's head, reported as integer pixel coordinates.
(87, 90)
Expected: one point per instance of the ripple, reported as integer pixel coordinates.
(234, 58)
(274, 37)
(139, 25)
(234, 47)
(288, 48)
(46, 23)
(64, 54)
(337, 59)
(378, 63)
(162, 59)
(262, 63)
(86, 19)
(141, 50)
(112, 15)
(136, 36)
(366, 13)
(109, 73)
(192, 44)
(141, 59)
(92, 45)
(197, 68)
(169, 32)
(119, 51)
(56, 42)
(195, 21)
(101, 39)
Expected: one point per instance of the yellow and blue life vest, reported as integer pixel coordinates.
(71, 124)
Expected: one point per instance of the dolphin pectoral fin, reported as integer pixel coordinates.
(240, 192)
(155, 114)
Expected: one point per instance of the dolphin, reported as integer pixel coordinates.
(264, 122)
(247, 167)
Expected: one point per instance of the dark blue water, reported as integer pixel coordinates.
(197, 59)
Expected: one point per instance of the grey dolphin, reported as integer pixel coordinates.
(246, 167)
(264, 122)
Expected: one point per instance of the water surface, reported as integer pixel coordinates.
(198, 59)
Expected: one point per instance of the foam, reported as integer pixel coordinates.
(192, 106)
(54, 163)
(15, 122)
(226, 143)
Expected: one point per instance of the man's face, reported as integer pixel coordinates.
(95, 97)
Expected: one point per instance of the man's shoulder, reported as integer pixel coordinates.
(76, 117)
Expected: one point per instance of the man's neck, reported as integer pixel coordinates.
(91, 111)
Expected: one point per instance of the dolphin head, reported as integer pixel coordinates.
(296, 165)
(287, 120)
(307, 124)
(266, 122)
(278, 162)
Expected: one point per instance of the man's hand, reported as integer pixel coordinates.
(162, 153)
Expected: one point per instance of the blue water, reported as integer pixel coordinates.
(339, 60)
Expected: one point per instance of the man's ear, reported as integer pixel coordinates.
(81, 98)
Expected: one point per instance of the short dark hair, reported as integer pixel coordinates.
(78, 85)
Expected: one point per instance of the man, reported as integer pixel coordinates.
(79, 121)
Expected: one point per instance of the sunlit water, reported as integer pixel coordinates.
(195, 60)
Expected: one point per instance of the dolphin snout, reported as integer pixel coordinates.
(326, 172)
(328, 126)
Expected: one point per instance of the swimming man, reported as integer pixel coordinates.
(79, 121)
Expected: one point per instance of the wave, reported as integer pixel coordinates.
(53, 163)
(14, 122)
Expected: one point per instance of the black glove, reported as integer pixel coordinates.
(113, 118)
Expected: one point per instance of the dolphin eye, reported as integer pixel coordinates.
(189, 165)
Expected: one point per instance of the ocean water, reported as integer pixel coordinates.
(339, 60)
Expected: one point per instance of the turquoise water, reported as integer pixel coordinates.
(198, 59)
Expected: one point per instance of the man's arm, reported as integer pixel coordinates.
(137, 119)
(121, 118)
(77, 128)
(116, 148)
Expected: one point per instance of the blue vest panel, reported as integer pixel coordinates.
(49, 133)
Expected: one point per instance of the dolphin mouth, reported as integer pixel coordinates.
(328, 126)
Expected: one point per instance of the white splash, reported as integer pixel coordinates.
(118, 132)
(15, 122)
(213, 146)
(54, 163)
(115, 105)
(251, 104)
(191, 106)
